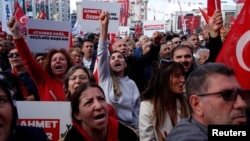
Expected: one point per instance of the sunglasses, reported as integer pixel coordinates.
(231, 95)
(10, 55)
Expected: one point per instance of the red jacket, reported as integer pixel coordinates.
(46, 85)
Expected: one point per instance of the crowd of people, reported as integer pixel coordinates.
(159, 87)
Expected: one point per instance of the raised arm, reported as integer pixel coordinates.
(102, 50)
(215, 43)
(104, 22)
(29, 61)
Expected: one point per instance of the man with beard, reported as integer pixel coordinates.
(184, 55)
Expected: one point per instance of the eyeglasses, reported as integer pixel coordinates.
(177, 42)
(10, 55)
(231, 95)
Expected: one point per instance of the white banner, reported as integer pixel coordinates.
(149, 27)
(53, 117)
(7, 10)
(44, 35)
(90, 15)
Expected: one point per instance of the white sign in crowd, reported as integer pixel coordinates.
(149, 27)
(53, 117)
(90, 16)
(43, 35)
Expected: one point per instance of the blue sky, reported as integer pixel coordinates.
(162, 6)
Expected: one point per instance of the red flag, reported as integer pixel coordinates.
(126, 9)
(213, 5)
(236, 48)
(95, 73)
(18, 13)
(192, 26)
(42, 14)
(70, 41)
(204, 14)
(112, 38)
(240, 1)
(137, 30)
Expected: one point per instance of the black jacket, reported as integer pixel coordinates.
(25, 133)
(136, 65)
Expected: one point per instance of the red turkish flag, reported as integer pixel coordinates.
(18, 13)
(204, 14)
(42, 14)
(236, 48)
(213, 5)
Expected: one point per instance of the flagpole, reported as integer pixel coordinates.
(216, 6)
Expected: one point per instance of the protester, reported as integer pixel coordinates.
(215, 42)
(176, 40)
(9, 130)
(9, 37)
(163, 101)
(94, 38)
(28, 86)
(202, 56)
(77, 75)
(41, 59)
(120, 91)
(75, 42)
(49, 81)
(14, 83)
(74, 77)
(165, 51)
(90, 117)
(136, 65)
(196, 43)
(4, 63)
(131, 50)
(76, 55)
(184, 55)
(89, 54)
(216, 98)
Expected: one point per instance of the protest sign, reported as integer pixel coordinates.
(90, 16)
(44, 35)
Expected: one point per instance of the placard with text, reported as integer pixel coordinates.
(149, 27)
(53, 117)
(90, 16)
(43, 35)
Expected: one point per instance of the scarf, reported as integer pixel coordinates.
(112, 130)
